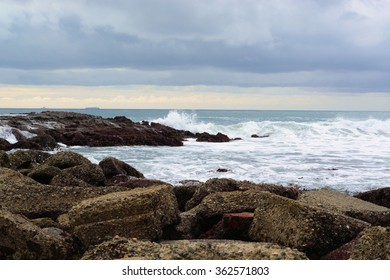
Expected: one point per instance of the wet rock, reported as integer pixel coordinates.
(27, 159)
(41, 142)
(379, 196)
(207, 137)
(21, 194)
(80, 175)
(87, 130)
(222, 170)
(121, 248)
(309, 229)
(21, 239)
(211, 186)
(261, 136)
(5, 145)
(66, 159)
(347, 205)
(141, 213)
(112, 167)
(4, 160)
(44, 173)
(373, 244)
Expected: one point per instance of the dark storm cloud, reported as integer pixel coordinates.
(232, 37)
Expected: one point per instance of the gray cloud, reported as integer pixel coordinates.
(342, 44)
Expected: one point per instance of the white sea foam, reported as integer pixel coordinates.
(349, 155)
(6, 132)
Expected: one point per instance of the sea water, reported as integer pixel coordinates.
(347, 151)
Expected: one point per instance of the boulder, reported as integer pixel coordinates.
(44, 222)
(141, 213)
(209, 212)
(80, 175)
(373, 244)
(66, 159)
(44, 173)
(309, 229)
(22, 240)
(121, 248)
(379, 196)
(5, 145)
(211, 186)
(347, 205)
(4, 160)
(207, 137)
(112, 167)
(41, 142)
(21, 194)
(27, 159)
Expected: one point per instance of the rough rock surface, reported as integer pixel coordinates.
(121, 248)
(379, 196)
(44, 173)
(22, 159)
(21, 194)
(4, 160)
(309, 229)
(66, 159)
(76, 129)
(141, 213)
(373, 244)
(201, 218)
(348, 205)
(21, 239)
(91, 174)
(211, 186)
(112, 167)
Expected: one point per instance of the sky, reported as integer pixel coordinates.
(204, 54)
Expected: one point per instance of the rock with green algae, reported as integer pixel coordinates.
(348, 205)
(141, 213)
(81, 175)
(309, 229)
(23, 195)
(373, 244)
(122, 248)
(23, 240)
(66, 159)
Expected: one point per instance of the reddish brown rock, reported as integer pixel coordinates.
(207, 137)
(87, 130)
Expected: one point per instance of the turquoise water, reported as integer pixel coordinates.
(347, 151)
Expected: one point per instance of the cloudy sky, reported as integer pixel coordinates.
(224, 54)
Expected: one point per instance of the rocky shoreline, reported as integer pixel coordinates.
(62, 206)
(46, 130)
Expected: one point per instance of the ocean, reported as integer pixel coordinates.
(346, 151)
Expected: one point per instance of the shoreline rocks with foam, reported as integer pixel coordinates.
(90, 216)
